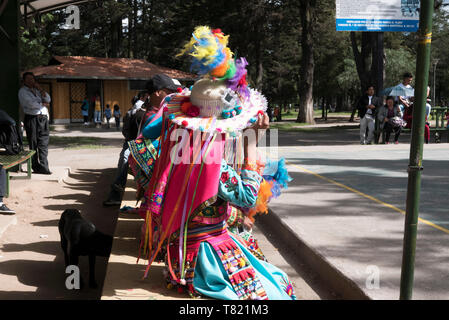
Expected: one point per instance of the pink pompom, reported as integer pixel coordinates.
(193, 111)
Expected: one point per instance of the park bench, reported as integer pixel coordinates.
(437, 127)
(439, 115)
(437, 123)
(9, 161)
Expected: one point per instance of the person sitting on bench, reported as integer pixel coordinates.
(3, 208)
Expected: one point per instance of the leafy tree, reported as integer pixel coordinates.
(398, 61)
(33, 49)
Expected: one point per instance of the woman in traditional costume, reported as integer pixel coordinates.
(207, 179)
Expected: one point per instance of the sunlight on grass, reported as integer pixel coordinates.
(77, 142)
(292, 126)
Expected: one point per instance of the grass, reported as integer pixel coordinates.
(292, 114)
(292, 126)
(74, 142)
(77, 142)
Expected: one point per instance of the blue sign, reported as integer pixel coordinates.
(377, 15)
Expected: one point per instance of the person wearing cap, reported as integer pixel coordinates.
(158, 88)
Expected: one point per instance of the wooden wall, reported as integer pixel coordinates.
(61, 100)
(116, 91)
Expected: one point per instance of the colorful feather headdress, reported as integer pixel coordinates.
(221, 105)
(222, 93)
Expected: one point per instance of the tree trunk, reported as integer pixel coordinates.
(370, 60)
(148, 41)
(130, 31)
(259, 78)
(340, 101)
(135, 31)
(259, 64)
(307, 13)
(115, 37)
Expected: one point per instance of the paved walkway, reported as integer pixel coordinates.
(345, 208)
(347, 203)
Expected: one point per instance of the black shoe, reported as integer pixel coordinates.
(42, 171)
(116, 190)
(111, 203)
(5, 210)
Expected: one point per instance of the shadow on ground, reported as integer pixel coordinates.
(87, 189)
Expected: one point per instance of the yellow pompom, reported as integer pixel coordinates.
(262, 199)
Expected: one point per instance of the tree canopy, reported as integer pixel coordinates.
(269, 33)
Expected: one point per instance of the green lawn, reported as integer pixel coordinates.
(74, 142)
(292, 114)
(293, 126)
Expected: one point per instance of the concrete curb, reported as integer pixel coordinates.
(65, 175)
(6, 221)
(329, 275)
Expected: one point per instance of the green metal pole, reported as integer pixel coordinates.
(9, 59)
(416, 149)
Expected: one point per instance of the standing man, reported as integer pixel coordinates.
(34, 101)
(368, 105)
(404, 101)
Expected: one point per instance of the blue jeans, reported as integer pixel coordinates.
(97, 116)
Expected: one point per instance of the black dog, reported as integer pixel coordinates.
(79, 237)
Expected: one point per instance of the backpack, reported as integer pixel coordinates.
(85, 105)
(10, 138)
(131, 123)
(126, 125)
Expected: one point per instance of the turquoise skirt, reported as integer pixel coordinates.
(212, 280)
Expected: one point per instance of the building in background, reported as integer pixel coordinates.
(69, 79)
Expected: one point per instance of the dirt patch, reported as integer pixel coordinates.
(31, 259)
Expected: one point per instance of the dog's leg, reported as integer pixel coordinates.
(92, 282)
(64, 249)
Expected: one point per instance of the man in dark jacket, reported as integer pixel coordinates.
(368, 105)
